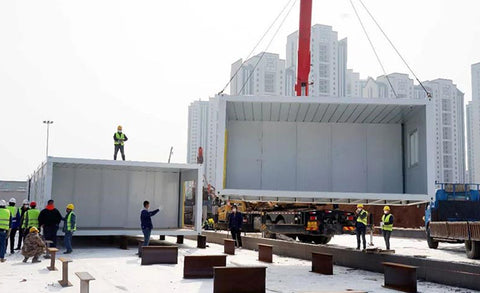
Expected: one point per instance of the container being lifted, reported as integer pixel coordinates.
(108, 195)
(325, 149)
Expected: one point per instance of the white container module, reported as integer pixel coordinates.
(108, 195)
(326, 150)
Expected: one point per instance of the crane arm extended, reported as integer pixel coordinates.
(303, 62)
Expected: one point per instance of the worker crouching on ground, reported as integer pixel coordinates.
(15, 213)
(146, 222)
(5, 224)
(361, 225)
(119, 139)
(387, 225)
(33, 246)
(69, 227)
(49, 219)
(235, 221)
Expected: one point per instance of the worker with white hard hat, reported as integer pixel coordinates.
(5, 224)
(361, 225)
(387, 225)
(15, 213)
(119, 139)
(22, 231)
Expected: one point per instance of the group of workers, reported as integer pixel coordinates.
(29, 221)
(386, 225)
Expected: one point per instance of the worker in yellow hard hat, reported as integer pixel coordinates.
(119, 139)
(387, 225)
(361, 225)
(69, 227)
(33, 246)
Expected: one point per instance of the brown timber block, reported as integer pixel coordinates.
(179, 239)
(85, 279)
(400, 277)
(201, 241)
(64, 281)
(140, 245)
(201, 266)
(53, 253)
(159, 255)
(229, 246)
(322, 263)
(239, 279)
(265, 252)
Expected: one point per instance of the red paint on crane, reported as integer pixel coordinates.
(303, 62)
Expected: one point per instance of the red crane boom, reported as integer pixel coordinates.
(303, 62)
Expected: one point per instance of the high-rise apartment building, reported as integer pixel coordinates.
(353, 84)
(470, 149)
(473, 127)
(328, 58)
(263, 74)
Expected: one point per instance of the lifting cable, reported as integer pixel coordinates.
(373, 48)
(429, 95)
(256, 45)
(268, 45)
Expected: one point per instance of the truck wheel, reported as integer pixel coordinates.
(321, 239)
(304, 238)
(433, 244)
(472, 248)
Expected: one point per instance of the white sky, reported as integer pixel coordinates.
(91, 65)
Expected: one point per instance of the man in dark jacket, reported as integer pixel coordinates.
(49, 220)
(146, 222)
(235, 221)
(21, 230)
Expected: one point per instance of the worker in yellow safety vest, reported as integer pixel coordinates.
(69, 227)
(15, 213)
(5, 224)
(119, 139)
(361, 225)
(30, 218)
(387, 225)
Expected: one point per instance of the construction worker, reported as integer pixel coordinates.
(146, 222)
(22, 232)
(5, 224)
(33, 246)
(361, 225)
(119, 139)
(235, 221)
(15, 213)
(387, 225)
(49, 220)
(69, 227)
(30, 218)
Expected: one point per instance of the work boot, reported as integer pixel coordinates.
(18, 248)
(25, 259)
(3, 260)
(67, 252)
(35, 259)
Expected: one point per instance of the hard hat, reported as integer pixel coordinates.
(2, 203)
(119, 127)
(360, 205)
(25, 201)
(33, 229)
(33, 204)
(12, 200)
(70, 206)
(386, 208)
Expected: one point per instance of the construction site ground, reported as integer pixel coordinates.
(117, 270)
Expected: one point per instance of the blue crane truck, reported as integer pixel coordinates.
(454, 216)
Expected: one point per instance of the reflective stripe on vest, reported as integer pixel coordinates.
(119, 136)
(363, 221)
(386, 218)
(69, 223)
(31, 219)
(4, 219)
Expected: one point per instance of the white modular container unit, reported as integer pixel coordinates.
(108, 195)
(325, 150)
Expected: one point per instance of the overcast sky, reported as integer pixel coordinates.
(91, 65)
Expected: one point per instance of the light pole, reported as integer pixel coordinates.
(48, 122)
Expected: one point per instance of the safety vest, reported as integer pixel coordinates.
(386, 218)
(69, 223)
(4, 219)
(363, 221)
(13, 211)
(119, 136)
(31, 218)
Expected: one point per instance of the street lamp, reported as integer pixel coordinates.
(48, 122)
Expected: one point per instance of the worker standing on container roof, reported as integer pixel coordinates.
(119, 139)
(21, 231)
(146, 222)
(69, 227)
(361, 225)
(15, 213)
(5, 224)
(387, 225)
(49, 219)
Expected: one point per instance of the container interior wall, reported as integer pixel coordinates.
(113, 198)
(416, 181)
(310, 156)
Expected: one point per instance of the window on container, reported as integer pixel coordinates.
(413, 148)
